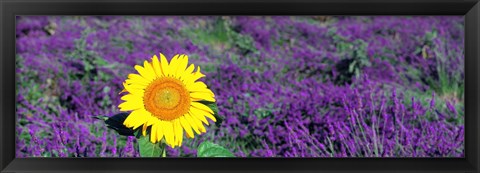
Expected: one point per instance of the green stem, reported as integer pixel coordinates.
(164, 152)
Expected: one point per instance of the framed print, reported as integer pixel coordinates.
(314, 86)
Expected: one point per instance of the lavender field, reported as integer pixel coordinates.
(304, 86)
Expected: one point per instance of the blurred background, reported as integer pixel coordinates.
(287, 86)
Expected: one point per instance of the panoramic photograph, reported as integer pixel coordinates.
(240, 86)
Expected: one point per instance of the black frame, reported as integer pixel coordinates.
(10, 8)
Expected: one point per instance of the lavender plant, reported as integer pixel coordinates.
(310, 86)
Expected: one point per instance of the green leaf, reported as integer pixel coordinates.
(115, 122)
(209, 149)
(149, 149)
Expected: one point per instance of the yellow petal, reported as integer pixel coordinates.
(211, 117)
(153, 133)
(182, 65)
(202, 95)
(197, 75)
(202, 107)
(190, 69)
(192, 123)
(145, 115)
(135, 85)
(144, 129)
(160, 133)
(133, 90)
(169, 134)
(135, 119)
(199, 124)
(207, 114)
(164, 64)
(149, 69)
(198, 114)
(156, 66)
(124, 90)
(186, 126)
(129, 106)
(143, 72)
(195, 99)
(152, 120)
(208, 91)
(131, 97)
(186, 73)
(178, 132)
(199, 85)
(204, 113)
(174, 65)
(194, 76)
(137, 79)
(201, 127)
(187, 79)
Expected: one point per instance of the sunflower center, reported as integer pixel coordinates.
(167, 98)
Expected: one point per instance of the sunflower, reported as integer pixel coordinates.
(168, 98)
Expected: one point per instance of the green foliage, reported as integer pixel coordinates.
(90, 59)
(355, 53)
(208, 67)
(430, 36)
(149, 149)
(214, 36)
(440, 105)
(209, 149)
(220, 35)
(263, 112)
(244, 43)
(449, 85)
